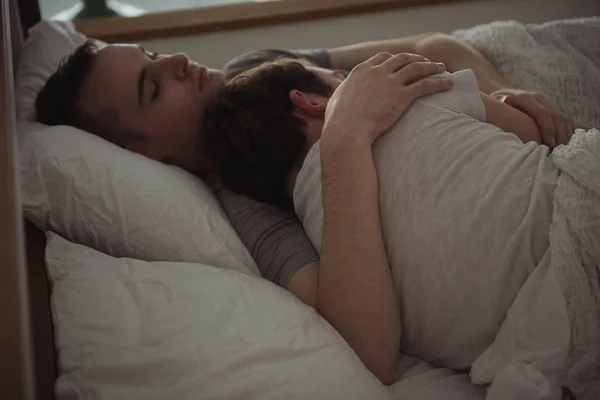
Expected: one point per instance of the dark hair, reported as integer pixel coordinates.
(251, 134)
(244, 62)
(56, 103)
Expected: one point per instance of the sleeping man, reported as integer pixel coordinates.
(462, 198)
(463, 204)
(153, 104)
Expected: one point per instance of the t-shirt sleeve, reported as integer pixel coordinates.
(275, 238)
(249, 60)
(464, 97)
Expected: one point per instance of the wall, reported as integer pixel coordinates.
(216, 48)
(49, 8)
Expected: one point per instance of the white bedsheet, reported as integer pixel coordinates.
(419, 380)
(129, 329)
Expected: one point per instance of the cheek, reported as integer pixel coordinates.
(181, 114)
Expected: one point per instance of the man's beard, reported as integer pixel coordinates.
(209, 126)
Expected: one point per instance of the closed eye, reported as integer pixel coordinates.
(152, 56)
(155, 92)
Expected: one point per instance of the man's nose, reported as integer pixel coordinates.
(178, 64)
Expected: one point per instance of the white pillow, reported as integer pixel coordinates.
(129, 329)
(95, 193)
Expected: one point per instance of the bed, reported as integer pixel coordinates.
(39, 372)
(308, 349)
(64, 270)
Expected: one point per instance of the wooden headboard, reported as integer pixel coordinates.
(27, 354)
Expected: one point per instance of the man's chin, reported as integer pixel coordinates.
(216, 76)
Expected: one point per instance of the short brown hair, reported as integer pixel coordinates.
(251, 134)
(56, 103)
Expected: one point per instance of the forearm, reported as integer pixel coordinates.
(509, 119)
(355, 291)
(438, 47)
(458, 55)
(347, 57)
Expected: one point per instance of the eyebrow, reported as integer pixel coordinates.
(141, 79)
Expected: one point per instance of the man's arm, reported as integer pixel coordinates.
(352, 286)
(509, 119)
(356, 266)
(555, 127)
(439, 47)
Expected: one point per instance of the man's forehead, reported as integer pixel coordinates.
(118, 49)
(112, 81)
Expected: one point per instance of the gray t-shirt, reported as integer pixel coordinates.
(246, 61)
(274, 237)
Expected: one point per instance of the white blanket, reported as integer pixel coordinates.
(551, 335)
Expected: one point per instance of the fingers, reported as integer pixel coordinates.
(571, 126)
(408, 67)
(419, 70)
(378, 59)
(556, 128)
(544, 120)
(562, 134)
(565, 126)
(428, 86)
(401, 60)
(540, 114)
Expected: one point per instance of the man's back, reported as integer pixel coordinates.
(465, 212)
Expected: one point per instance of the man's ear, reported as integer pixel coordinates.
(309, 103)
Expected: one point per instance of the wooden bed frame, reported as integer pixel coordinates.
(27, 354)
